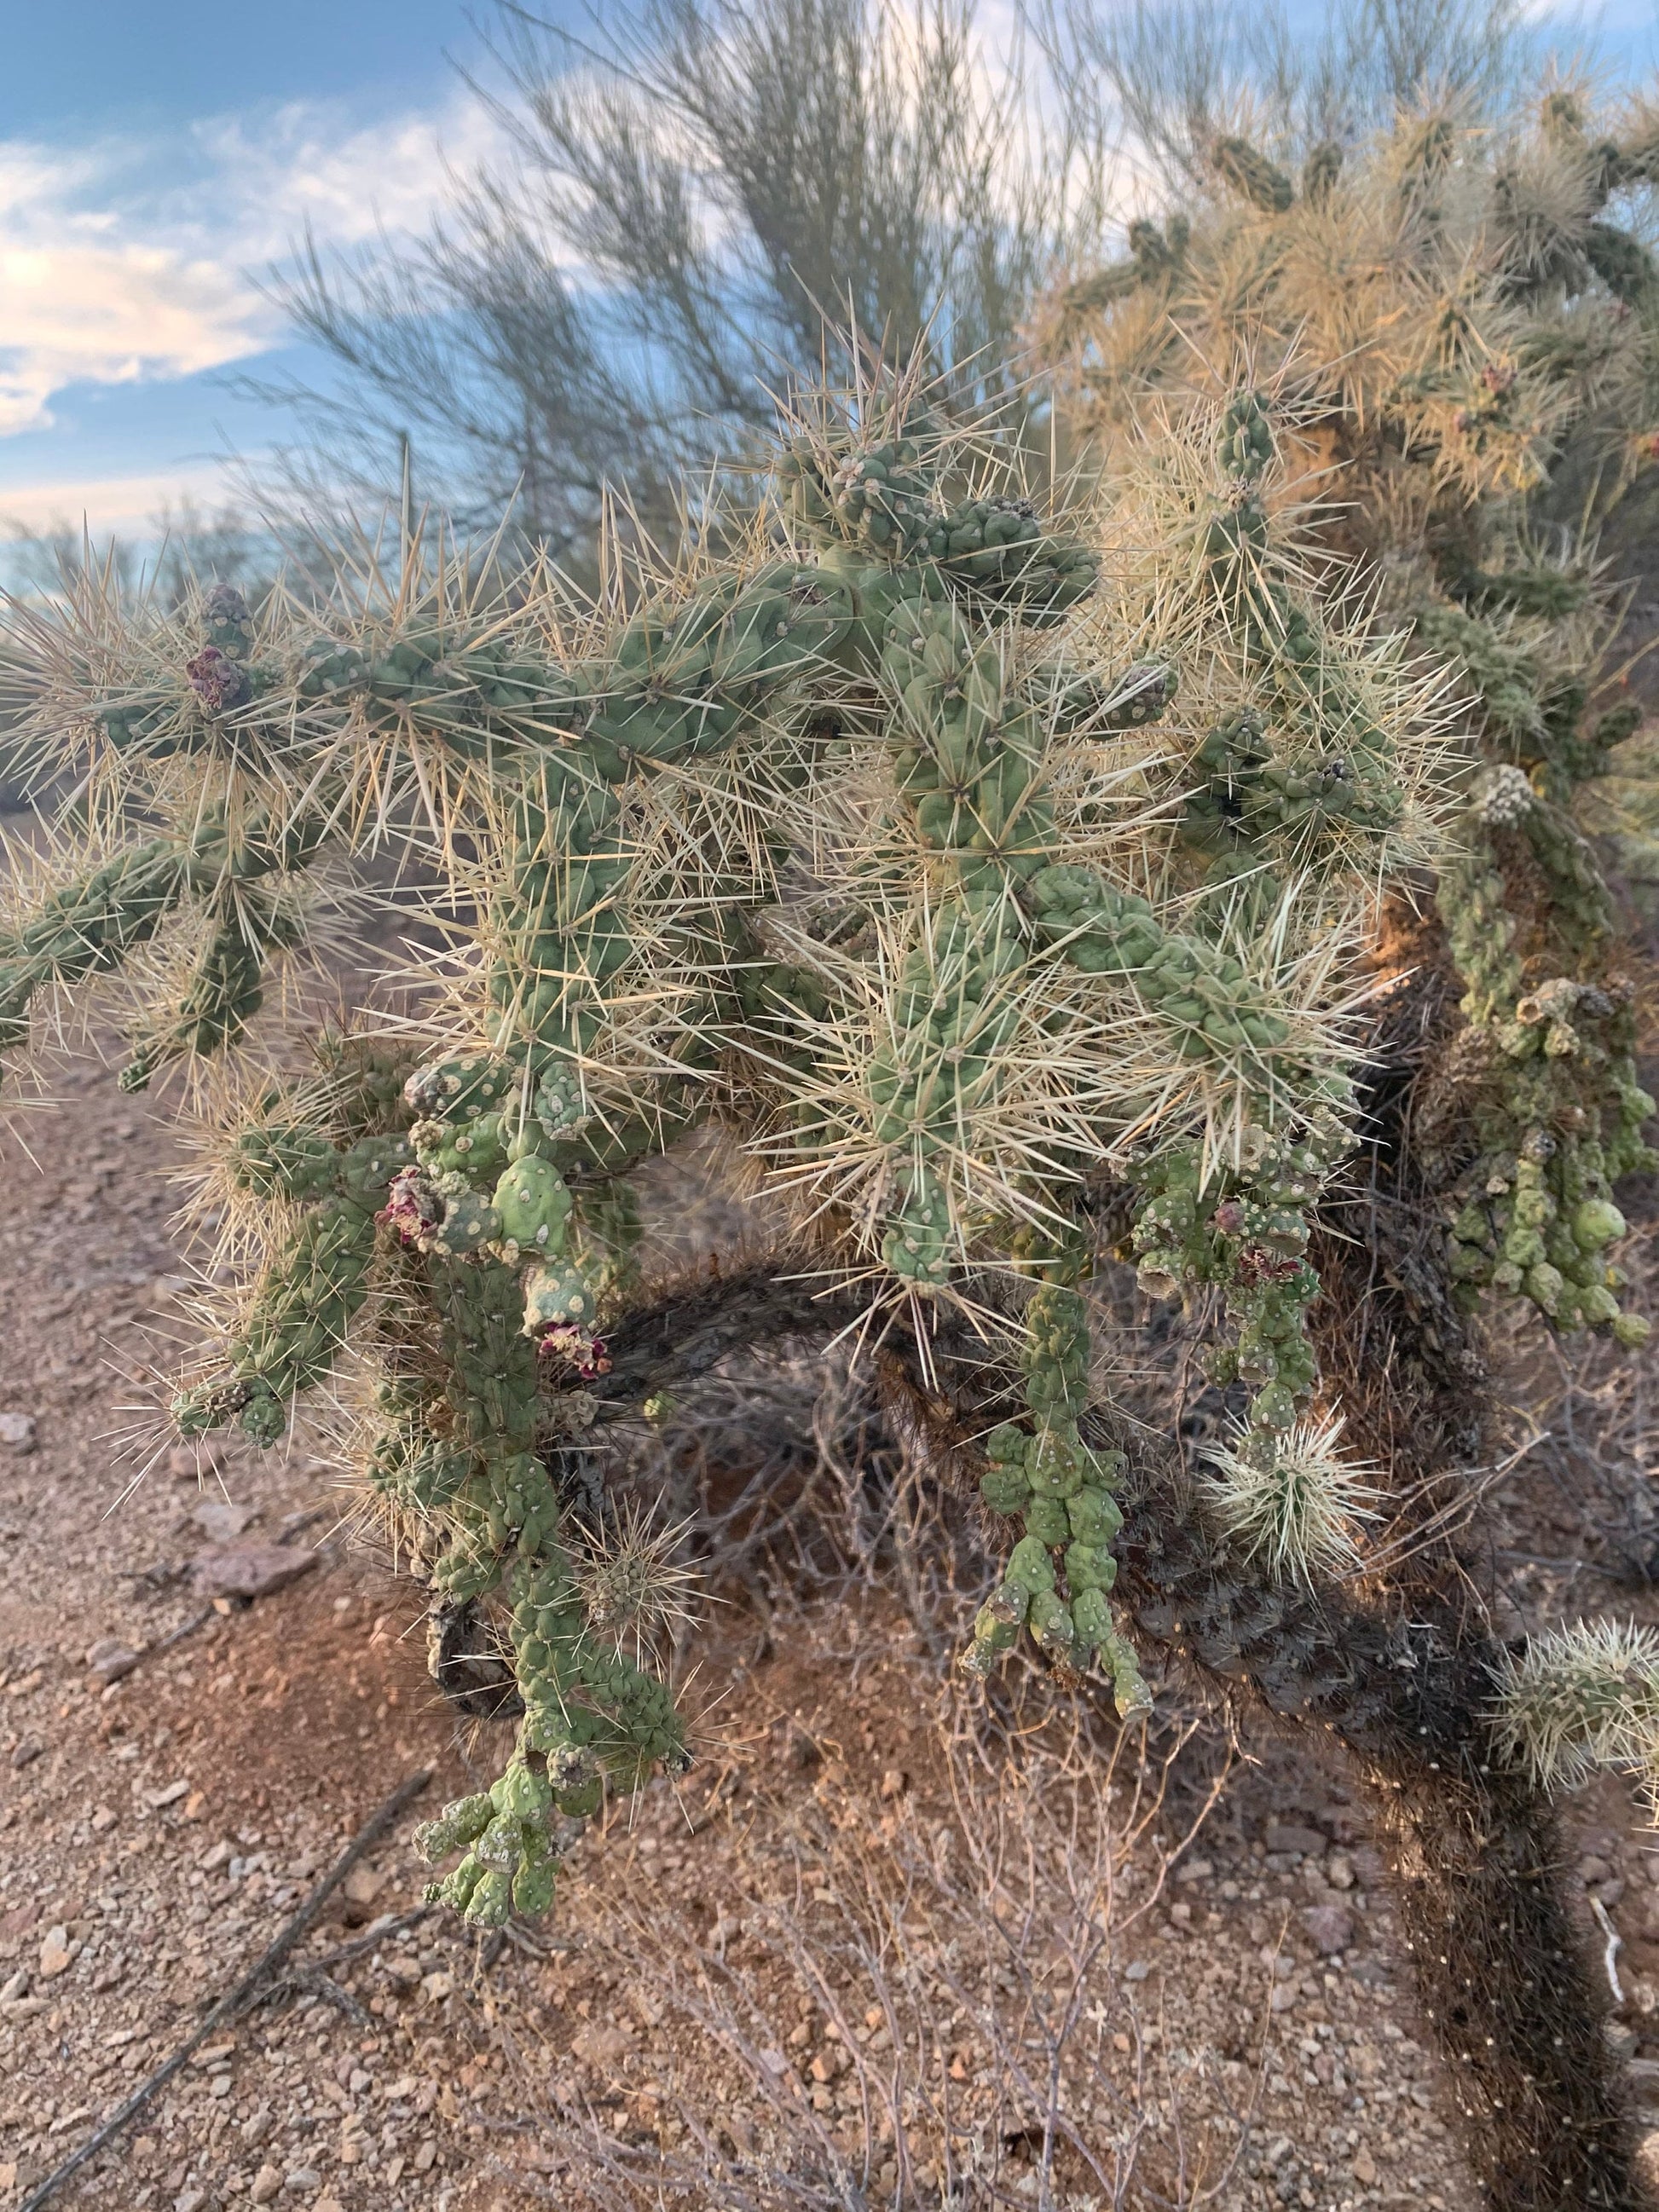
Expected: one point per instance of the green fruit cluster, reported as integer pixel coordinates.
(1556, 1111)
(587, 1704)
(1245, 1229)
(511, 1864)
(1059, 1573)
(1557, 1119)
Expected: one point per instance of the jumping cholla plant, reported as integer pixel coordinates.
(1582, 1697)
(1300, 1505)
(1464, 324)
(961, 869)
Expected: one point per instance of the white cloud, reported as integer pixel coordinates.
(119, 504)
(112, 272)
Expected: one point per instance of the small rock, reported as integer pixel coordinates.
(301, 2177)
(426, 2152)
(17, 1432)
(265, 2185)
(1194, 1870)
(1137, 1971)
(1330, 1928)
(104, 1819)
(599, 2045)
(894, 1783)
(1283, 1998)
(190, 2200)
(363, 1885)
(15, 1987)
(1591, 1870)
(256, 2128)
(1339, 1871)
(158, 1800)
(190, 1463)
(1287, 1836)
(110, 1660)
(56, 1952)
(250, 1569)
(1364, 2168)
(221, 1521)
(26, 1753)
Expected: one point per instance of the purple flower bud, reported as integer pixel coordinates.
(223, 602)
(412, 1210)
(218, 682)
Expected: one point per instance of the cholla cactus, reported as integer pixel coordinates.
(1458, 323)
(1298, 1505)
(954, 878)
(1574, 1699)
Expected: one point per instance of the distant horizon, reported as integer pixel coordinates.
(154, 163)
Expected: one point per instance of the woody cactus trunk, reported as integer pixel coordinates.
(985, 875)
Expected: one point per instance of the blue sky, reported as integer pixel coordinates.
(156, 154)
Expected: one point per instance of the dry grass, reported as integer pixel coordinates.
(913, 1995)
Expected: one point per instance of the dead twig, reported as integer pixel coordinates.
(368, 1941)
(234, 2000)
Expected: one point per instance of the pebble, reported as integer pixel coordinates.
(111, 1660)
(1287, 1836)
(894, 1783)
(1330, 1928)
(17, 1432)
(265, 2185)
(26, 1753)
(250, 1569)
(220, 1520)
(301, 2177)
(56, 1952)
